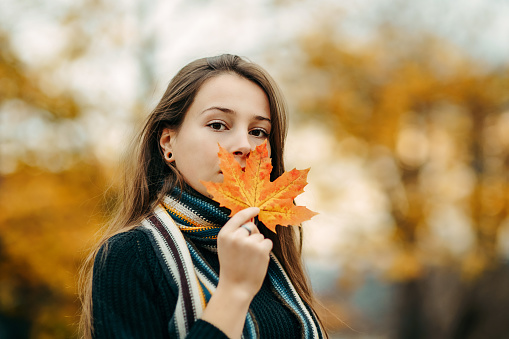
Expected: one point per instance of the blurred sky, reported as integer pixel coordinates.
(134, 48)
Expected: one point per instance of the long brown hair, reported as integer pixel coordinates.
(148, 178)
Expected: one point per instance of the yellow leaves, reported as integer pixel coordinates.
(46, 221)
(252, 188)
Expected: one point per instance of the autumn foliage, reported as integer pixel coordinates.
(251, 187)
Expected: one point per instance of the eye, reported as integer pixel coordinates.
(217, 126)
(259, 133)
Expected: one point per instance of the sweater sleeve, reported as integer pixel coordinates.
(131, 297)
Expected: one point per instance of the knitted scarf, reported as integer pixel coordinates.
(177, 224)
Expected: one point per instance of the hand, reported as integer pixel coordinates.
(243, 262)
(243, 257)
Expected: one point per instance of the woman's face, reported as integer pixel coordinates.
(228, 110)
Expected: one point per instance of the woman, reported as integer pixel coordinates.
(172, 263)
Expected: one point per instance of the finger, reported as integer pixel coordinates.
(249, 228)
(267, 244)
(245, 229)
(257, 237)
(240, 218)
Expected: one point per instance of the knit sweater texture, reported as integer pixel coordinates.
(132, 298)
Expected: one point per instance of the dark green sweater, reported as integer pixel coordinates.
(133, 299)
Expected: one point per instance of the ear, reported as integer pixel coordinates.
(167, 138)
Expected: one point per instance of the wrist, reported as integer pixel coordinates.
(234, 293)
(227, 309)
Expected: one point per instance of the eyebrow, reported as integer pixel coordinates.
(230, 111)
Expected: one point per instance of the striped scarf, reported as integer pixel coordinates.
(183, 219)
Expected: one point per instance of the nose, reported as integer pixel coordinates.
(241, 147)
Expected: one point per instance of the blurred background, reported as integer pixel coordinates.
(400, 108)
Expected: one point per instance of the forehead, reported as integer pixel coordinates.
(233, 92)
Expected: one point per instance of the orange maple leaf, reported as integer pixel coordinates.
(252, 188)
